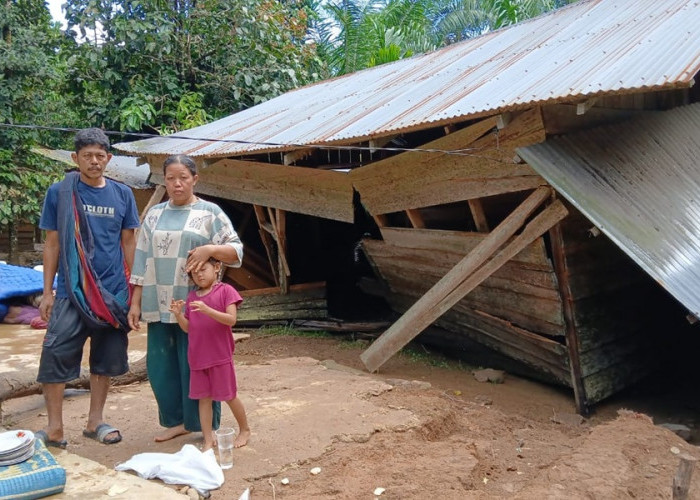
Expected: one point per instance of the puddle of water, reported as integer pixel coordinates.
(20, 347)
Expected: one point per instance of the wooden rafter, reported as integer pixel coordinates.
(267, 240)
(415, 217)
(156, 197)
(477, 210)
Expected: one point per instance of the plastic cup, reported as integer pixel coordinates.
(224, 439)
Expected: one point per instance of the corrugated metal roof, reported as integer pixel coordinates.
(639, 182)
(120, 168)
(590, 47)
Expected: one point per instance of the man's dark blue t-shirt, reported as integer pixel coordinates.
(109, 209)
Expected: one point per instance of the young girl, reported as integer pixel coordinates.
(209, 313)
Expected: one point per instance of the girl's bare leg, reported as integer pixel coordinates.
(239, 414)
(205, 416)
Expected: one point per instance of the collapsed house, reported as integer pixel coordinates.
(490, 179)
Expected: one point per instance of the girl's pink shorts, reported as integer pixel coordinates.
(217, 383)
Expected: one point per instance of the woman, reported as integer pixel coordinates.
(177, 237)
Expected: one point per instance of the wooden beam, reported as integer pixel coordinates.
(267, 241)
(415, 217)
(421, 314)
(484, 167)
(503, 120)
(303, 190)
(157, 196)
(293, 156)
(681, 481)
(380, 142)
(572, 341)
(583, 107)
(381, 220)
(477, 210)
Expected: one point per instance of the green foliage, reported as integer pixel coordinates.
(22, 188)
(359, 34)
(169, 65)
(32, 70)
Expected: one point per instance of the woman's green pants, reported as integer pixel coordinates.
(169, 374)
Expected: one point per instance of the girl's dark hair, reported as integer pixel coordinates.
(182, 160)
(213, 261)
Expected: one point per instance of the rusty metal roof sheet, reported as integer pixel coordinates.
(591, 47)
(639, 182)
(123, 169)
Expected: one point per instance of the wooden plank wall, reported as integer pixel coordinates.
(613, 310)
(26, 237)
(517, 311)
(304, 301)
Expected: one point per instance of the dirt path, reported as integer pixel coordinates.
(422, 428)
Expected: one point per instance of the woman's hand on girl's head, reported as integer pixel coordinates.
(198, 257)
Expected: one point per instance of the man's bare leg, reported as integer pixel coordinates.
(99, 387)
(53, 396)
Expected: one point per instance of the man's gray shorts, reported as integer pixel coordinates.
(63, 344)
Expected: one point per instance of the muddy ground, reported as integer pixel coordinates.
(422, 428)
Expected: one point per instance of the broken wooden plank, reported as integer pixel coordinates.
(478, 215)
(267, 241)
(420, 178)
(572, 340)
(306, 301)
(309, 191)
(459, 242)
(681, 480)
(421, 314)
(158, 194)
(415, 217)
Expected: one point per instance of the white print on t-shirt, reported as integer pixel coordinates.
(99, 211)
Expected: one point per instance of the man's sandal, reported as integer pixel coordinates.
(101, 432)
(43, 436)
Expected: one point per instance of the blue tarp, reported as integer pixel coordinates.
(16, 281)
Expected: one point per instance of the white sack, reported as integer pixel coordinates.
(188, 466)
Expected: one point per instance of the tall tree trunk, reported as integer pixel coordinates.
(13, 256)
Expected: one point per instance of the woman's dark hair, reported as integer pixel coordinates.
(90, 137)
(182, 160)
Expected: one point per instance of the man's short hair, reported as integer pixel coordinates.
(89, 137)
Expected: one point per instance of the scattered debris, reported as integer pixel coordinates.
(675, 450)
(378, 491)
(682, 431)
(571, 419)
(315, 470)
(116, 490)
(409, 384)
(483, 400)
(285, 480)
(489, 375)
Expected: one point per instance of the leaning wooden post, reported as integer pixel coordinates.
(681, 481)
(418, 316)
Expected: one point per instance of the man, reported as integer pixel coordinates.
(89, 222)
